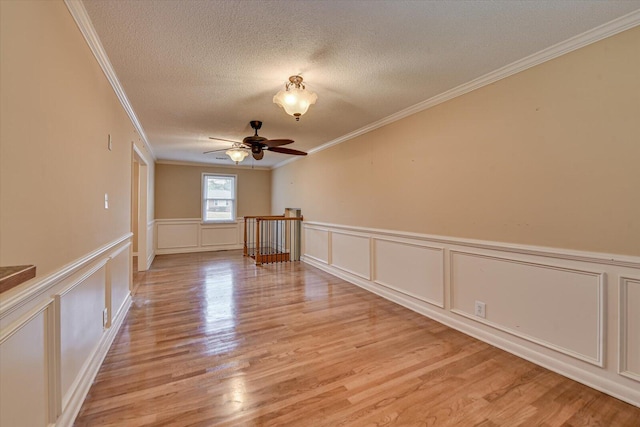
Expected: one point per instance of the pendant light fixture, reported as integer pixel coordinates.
(237, 152)
(295, 98)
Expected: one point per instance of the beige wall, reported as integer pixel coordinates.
(178, 190)
(549, 156)
(57, 109)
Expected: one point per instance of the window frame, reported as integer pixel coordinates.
(203, 199)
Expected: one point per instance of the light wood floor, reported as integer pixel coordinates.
(212, 340)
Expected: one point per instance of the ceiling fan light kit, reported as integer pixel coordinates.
(237, 152)
(295, 99)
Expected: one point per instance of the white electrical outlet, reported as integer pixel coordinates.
(480, 309)
(105, 318)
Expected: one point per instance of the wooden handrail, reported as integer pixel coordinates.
(276, 218)
(262, 216)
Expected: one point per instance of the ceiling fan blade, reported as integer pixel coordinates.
(215, 151)
(287, 151)
(258, 156)
(222, 139)
(277, 142)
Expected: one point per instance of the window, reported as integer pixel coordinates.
(218, 198)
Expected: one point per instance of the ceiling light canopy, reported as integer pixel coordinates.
(237, 152)
(295, 98)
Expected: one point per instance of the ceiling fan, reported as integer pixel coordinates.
(258, 144)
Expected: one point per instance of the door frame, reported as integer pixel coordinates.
(142, 180)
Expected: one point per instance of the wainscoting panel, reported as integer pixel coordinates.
(316, 241)
(630, 328)
(118, 280)
(23, 375)
(52, 339)
(351, 253)
(80, 308)
(177, 236)
(223, 235)
(183, 235)
(555, 307)
(412, 269)
(561, 309)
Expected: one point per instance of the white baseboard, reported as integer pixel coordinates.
(150, 259)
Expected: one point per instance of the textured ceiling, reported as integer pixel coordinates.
(194, 69)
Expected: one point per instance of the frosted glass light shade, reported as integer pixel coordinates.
(237, 154)
(295, 101)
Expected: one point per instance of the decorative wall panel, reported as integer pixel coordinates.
(413, 269)
(351, 253)
(630, 328)
(316, 242)
(81, 328)
(177, 236)
(23, 375)
(191, 235)
(555, 307)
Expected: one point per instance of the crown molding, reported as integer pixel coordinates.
(210, 165)
(80, 15)
(596, 34)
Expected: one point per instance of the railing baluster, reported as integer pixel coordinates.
(258, 256)
(269, 234)
(244, 245)
(279, 238)
(290, 241)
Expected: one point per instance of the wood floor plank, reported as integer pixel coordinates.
(213, 340)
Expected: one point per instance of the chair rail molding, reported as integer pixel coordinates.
(39, 285)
